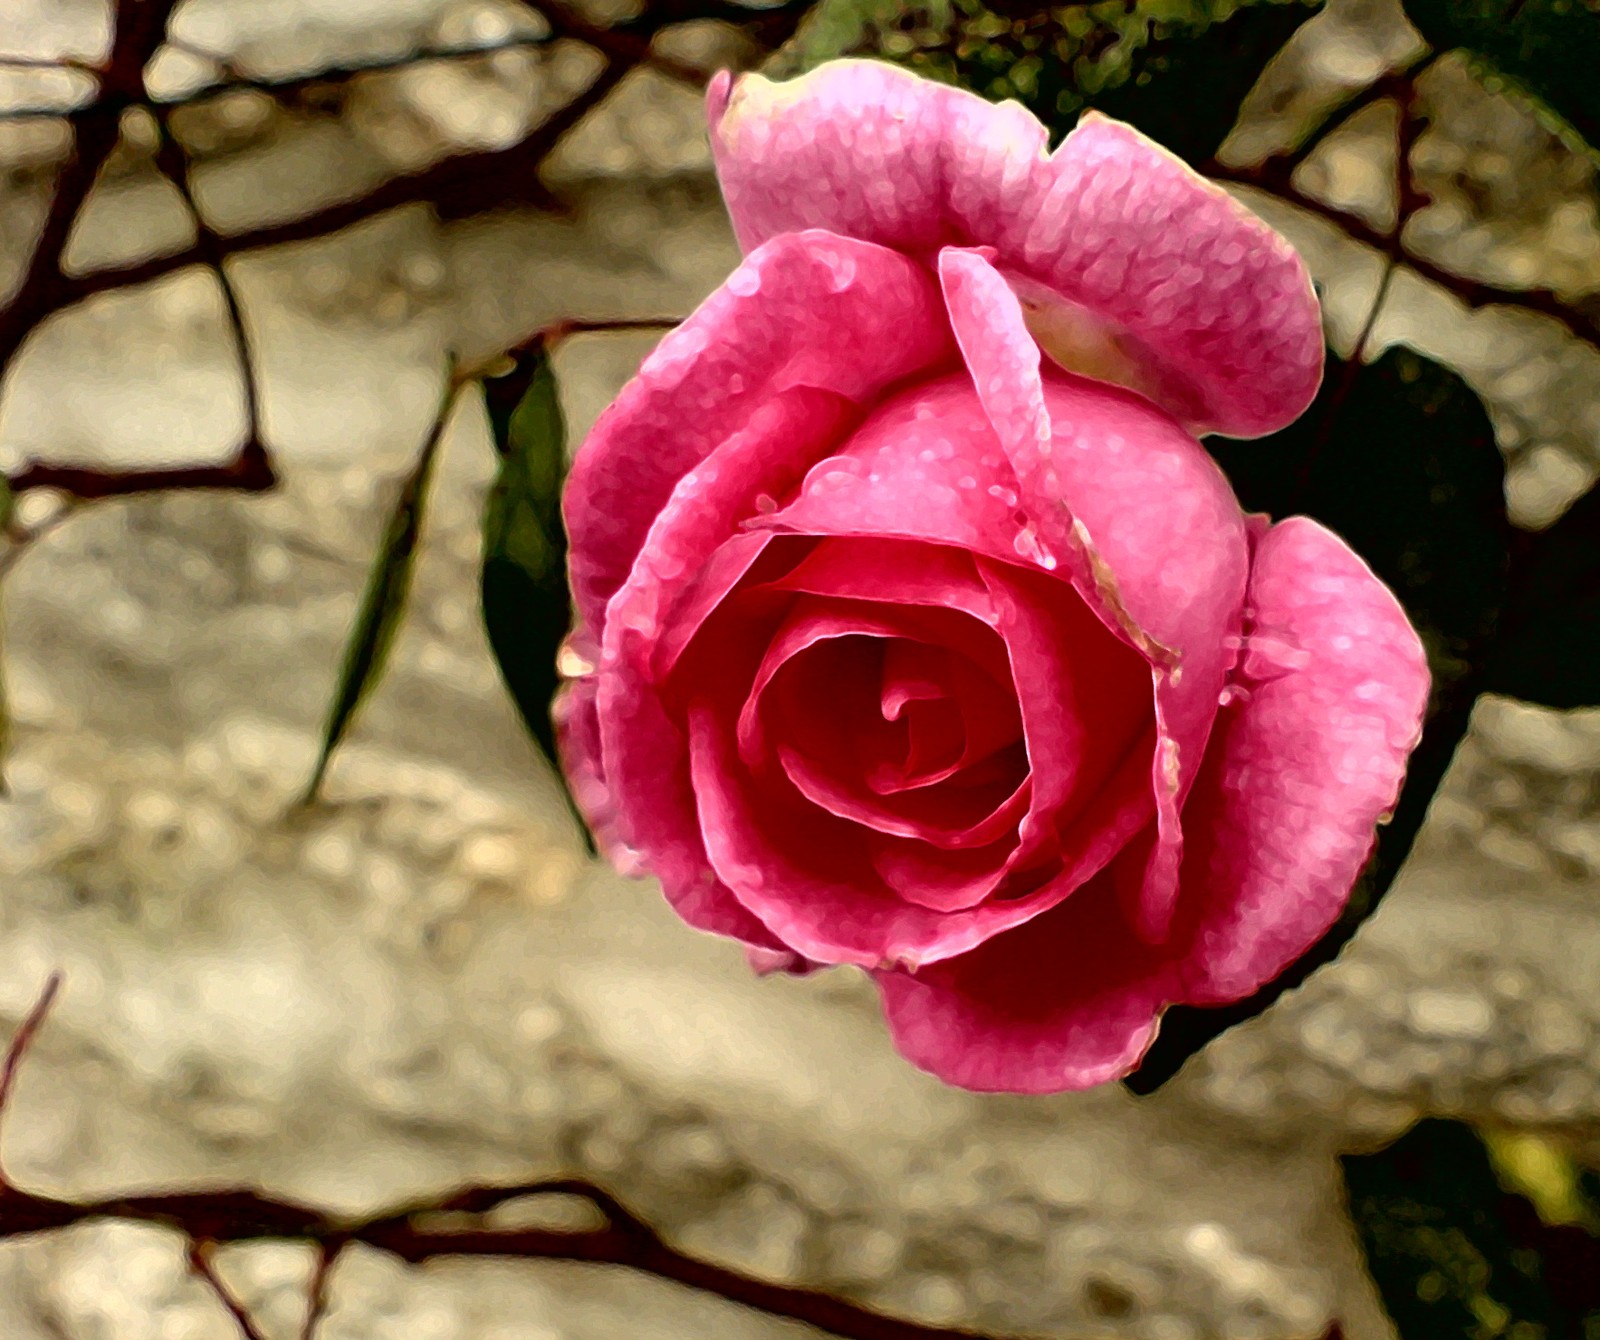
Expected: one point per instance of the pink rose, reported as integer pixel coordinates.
(913, 649)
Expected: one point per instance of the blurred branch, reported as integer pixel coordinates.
(21, 1040)
(1398, 85)
(1408, 199)
(1275, 176)
(200, 1264)
(418, 1233)
(425, 1232)
(139, 26)
(253, 466)
(1474, 293)
(460, 184)
(317, 1291)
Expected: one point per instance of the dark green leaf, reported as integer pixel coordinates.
(1399, 458)
(1546, 50)
(384, 600)
(1550, 649)
(527, 610)
(1455, 1252)
(1173, 70)
(1187, 82)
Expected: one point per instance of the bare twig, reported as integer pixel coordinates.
(23, 539)
(225, 1216)
(140, 25)
(174, 162)
(328, 1254)
(1397, 84)
(250, 472)
(200, 1264)
(21, 1040)
(414, 1234)
(1408, 199)
(468, 181)
(1472, 292)
(617, 43)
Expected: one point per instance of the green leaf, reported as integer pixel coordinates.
(1399, 458)
(527, 610)
(1547, 51)
(1456, 1250)
(384, 600)
(1550, 652)
(1187, 82)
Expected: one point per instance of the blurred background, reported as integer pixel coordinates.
(421, 980)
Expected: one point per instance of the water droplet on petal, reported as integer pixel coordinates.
(744, 282)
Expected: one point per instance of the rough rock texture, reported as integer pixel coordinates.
(420, 981)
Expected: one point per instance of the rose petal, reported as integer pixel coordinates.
(804, 310)
(944, 881)
(1067, 1001)
(1180, 611)
(1176, 275)
(1085, 703)
(643, 752)
(1305, 762)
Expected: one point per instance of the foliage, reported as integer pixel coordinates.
(1545, 52)
(1177, 70)
(383, 601)
(1458, 1247)
(523, 585)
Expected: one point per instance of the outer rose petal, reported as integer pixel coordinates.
(805, 310)
(1067, 1001)
(1281, 820)
(1111, 234)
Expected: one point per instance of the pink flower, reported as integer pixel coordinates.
(918, 649)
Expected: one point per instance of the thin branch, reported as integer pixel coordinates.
(412, 1234)
(284, 87)
(1474, 293)
(618, 44)
(328, 1254)
(228, 1216)
(1408, 199)
(200, 1264)
(176, 164)
(139, 28)
(48, 63)
(628, 41)
(468, 181)
(249, 472)
(21, 1040)
(24, 539)
(1396, 84)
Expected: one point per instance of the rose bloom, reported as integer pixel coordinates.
(917, 630)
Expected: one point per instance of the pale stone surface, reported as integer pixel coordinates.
(420, 981)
